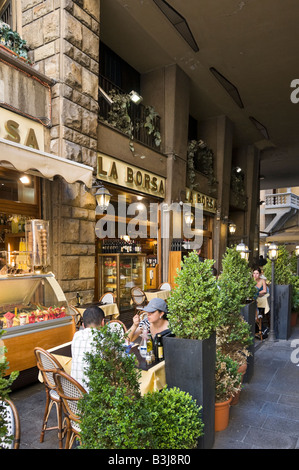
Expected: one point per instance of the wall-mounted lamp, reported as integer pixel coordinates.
(24, 179)
(102, 196)
(232, 228)
(135, 97)
(189, 217)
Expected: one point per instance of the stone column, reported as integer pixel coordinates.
(64, 37)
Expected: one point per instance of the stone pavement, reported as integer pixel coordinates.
(266, 417)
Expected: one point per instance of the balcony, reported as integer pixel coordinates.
(281, 201)
(134, 120)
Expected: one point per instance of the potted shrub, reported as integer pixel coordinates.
(236, 332)
(5, 384)
(227, 385)
(282, 293)
(114, 415)
(190, 355)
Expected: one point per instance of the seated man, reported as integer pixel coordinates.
(93, 317)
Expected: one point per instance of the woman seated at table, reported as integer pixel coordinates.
(155, 323)
(261, 287)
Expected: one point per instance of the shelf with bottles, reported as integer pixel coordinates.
(121, 245)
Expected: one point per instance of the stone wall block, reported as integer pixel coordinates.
(70, 231)
(72, 73)
(70, 268)
(71, 151)
(82, 16)
(92, 7)
(51, 66)
(86, 267)
(26, 4)
(33, 34)
(72, 115)
(43, 8)
(51, 26)
(87, 231)
(90, 43)
(73, 30)
(90, 84)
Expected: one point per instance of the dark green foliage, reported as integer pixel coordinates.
(114, 415)
(282, 267)
(193, 304)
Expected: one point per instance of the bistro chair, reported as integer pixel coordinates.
(70, 392)
(48, 364)
(164, 286)
(107, 298)
(138, 298)
(12, 421)
(118, 326)
(77, 316)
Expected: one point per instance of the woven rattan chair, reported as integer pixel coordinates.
(117, 325)
(165, 286)
(107, 298)
(70, 392)
(138, 298)
(12, 422)
(77, 316)
(47, 364)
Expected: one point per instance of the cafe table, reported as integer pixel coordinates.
(161, 294)
(110, 310)
(152, 376)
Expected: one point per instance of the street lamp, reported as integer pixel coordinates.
(272, 255)
(243, 250)
(297, 254)
(102, 196)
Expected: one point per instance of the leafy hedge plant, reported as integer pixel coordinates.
(5, 384)
(193, 305)
(114, 415)
(282, 267)
(227, 377)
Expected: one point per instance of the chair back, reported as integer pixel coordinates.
(138, 296)
(118, 326)
(70, 392)
(47, 364)
(77, 316)
(107, 298)
(12, 421)
(165, 286)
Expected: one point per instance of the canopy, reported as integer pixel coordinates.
(288, 236)
(47, 164)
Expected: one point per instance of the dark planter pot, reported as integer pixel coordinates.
(282, 311)
(248, 313)
(190, 366)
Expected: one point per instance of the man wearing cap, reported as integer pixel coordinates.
(156, 321)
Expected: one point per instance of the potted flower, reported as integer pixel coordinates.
(227, 384)
(237, 329)
(283, 277)
(190, 355)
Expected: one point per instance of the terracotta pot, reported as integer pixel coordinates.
(242, 369)
(222, 415)
(294, 318)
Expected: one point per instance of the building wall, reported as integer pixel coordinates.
(64, 38)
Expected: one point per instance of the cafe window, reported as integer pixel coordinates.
(19, 193)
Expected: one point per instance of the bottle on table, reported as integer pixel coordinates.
(160, 349)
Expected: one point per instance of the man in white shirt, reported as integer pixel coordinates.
(93, 317)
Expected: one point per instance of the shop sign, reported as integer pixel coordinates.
(131, 177)
(21, 130)
(194, 197)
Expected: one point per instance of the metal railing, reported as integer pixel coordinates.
(137, 114)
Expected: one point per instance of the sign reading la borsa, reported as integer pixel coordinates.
(194, 197)
(120, 173)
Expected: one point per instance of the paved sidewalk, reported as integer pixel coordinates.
(266, 417)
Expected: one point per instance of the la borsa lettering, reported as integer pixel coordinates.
(122, 174)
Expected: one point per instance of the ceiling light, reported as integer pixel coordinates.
(238, 169)
(135, 97)
(24, 179)
(231, 89)
(179, 22)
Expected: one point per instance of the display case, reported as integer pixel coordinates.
(118, 273)
(33, 312)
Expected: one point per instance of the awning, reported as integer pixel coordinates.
(47, 164)
(288, 236)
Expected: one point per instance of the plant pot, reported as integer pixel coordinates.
(190, 366)
(282, 310)
(222, 415)
(248, 313)
(294, 319)
(242, 369)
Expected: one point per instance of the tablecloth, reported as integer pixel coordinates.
(108, 309)
(153, 379)
(161, 294)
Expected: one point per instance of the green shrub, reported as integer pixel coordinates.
(113, 413)
(193, 304)
(282, 267)
(175, 419)
(227, 377)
